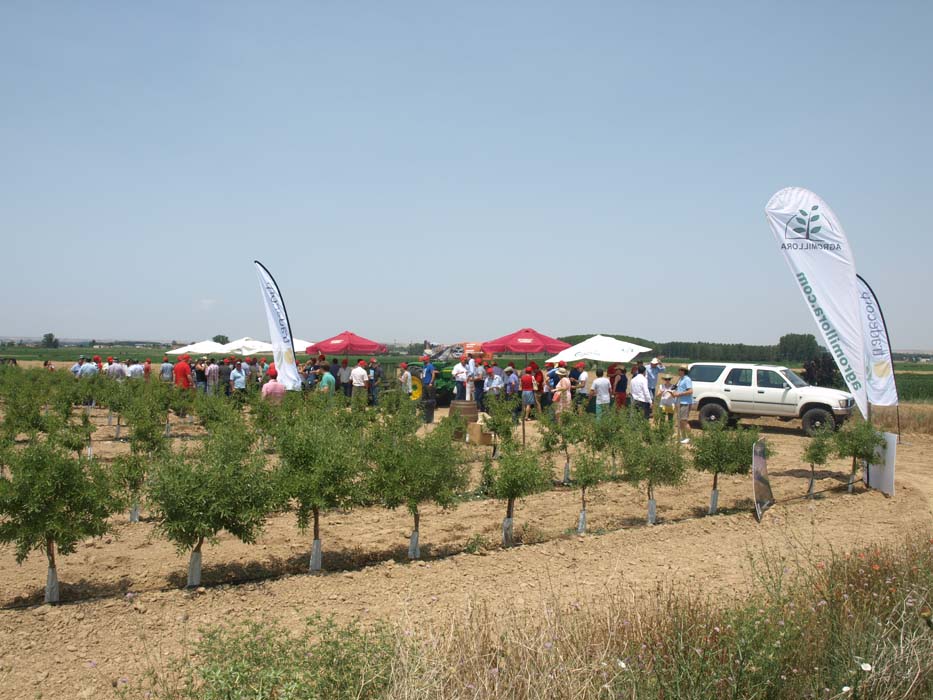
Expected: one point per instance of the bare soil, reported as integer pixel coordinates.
(125, 607)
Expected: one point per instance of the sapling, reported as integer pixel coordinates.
(559, 433)
(50, 501)
(858, 440)
(719, 450)
(500, 421)
(223, 485)
(817, 452)
(652, 458)
(519, 473)
(589, 471)
(322, 461)
(412, 470)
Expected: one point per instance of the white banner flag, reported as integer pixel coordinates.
(282, 349)
(879, 365)
(818, 253)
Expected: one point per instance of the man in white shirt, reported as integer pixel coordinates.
(459, 374)
(602, 390)
(640, 394)
(135, 370)
(343, 376)
(359, 381)
(404, 379)
(582, 395)
(493, 384)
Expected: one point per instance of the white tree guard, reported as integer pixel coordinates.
(414, 550)
(51, 586)
(507, 539)
(581, 523)
(714, 501)
(134, 513)
(315, 556)
(194, 570)
(652, 511)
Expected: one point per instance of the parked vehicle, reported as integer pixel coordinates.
(728, 391)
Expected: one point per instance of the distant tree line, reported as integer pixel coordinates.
(793, 347)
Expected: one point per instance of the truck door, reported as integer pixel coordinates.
(737, 386)
(773, 394)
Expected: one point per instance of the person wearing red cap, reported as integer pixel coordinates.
(493, 385)
(620, 386)
(273, 391)
(375, 377)
(479, 382)
(404, 378)
(539, 388)
(428, 379)
(182, 373)
(582, 393)
(359, 380)
(147, 369)
(224, 370)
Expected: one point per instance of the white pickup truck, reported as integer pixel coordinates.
(725, 391)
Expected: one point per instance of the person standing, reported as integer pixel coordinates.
(212, 373)
(327, 383)
(166, 370)
(116, 370)
(343, 377)
(479, 381)
(652, 372)
(582, 396)
(135, 370)
(404, 379)
(359, 379)
(375, 377)
(238, 379)
(200, 375)
(76, 367)
(528, 393)
(334, 370)
(88, 370)
(182, 373)
(459, 374)
(273, 391)
(562, 399)
(601, 390)
(223, 375)
(493, 385)
(428, 379)
(641, 396)
(684, 396)
(666, 399)
(147, 369)
(620, 387)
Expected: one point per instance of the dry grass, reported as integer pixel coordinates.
(916, 418)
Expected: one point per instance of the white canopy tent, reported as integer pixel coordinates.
(601, 348)
(301, 345)
(246, 346)
(203, 347)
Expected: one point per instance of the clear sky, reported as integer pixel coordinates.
(454, 171)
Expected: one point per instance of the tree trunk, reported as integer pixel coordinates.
(812, 481)
(652, 506)
(194, 565)
(566, 466)
(116, 435)
(316, 544)
(51, 580)
(414, 551)
(714, 495)
(168, 426)
(507, 538)
(134, 512)
(109, 417)
(851, 487)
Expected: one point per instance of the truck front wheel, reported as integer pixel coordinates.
(713, 413)
(816, 418)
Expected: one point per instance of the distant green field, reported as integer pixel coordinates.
(72, 353)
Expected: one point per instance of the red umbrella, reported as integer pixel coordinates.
(345, 343)
(526, 341)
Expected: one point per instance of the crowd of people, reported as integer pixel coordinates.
(557, 387)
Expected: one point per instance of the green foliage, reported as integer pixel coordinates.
(49, 496)
(720, 450)
(651, 454)
(858, 440)
(220, 338)
(501, 420)
(410, 470)
(589, 470)
(146, 413)
(558, 434)
(819, 447)
(221, 486)
(323, 460)
(213, 410)
(519, 473)
(263, 661)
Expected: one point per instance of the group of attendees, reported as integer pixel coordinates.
(561, 388)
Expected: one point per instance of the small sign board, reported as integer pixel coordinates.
(761, 486)
(880, 473)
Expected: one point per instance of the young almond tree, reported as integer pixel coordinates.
(558, 434)
(501, 422)
(221, 486)
(817, 452)
(651, 458)
(520, 472)
(718, 450)
(146, 413)
(50, 501)
(412, 470)
(858, 440)
(589, 471)
(322, 464)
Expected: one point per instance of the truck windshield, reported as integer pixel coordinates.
(794, 379)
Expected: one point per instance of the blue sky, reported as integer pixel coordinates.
(455, 171)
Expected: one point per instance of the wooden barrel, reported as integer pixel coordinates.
(467, 409)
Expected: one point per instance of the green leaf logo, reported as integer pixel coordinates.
(814, 207)
(815, 229)
(803, 212)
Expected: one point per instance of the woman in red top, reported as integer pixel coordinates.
(528, 391)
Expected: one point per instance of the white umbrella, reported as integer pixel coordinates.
(203, 347)
(601, 348)
(301, 345)
(246, 346)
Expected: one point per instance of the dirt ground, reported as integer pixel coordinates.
(125, 608)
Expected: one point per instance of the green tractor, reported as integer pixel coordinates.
(443, 382)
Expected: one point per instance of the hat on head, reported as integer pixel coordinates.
(489, 370)
(666, 376)
(165, 359)
(655, 361)
(463, 358)
(561, 364)
(372, 359)
(683, 368)
(528, 370)
(425, 358)
(403, 365)
(361, 363)
(562, 372)
(509, 370)
(226, 360)
(272, 372)
(548, 364)
(580, 365)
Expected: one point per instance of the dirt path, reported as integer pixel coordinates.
(77, 650)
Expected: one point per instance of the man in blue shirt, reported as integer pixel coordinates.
(238, 381)
(684, 398)
(88, 369)
(652, 371)
(76, 367)
(427, 378)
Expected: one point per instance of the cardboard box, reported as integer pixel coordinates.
(478, 436)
